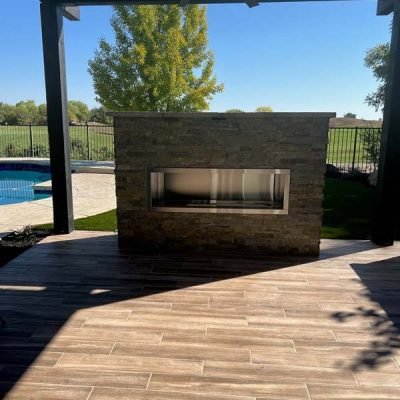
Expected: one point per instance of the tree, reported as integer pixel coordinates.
(371, 139)
(159, 62)
(78, 111)
(234, 110)
(350, 115)
(377, 59)
(264, 109)
(26, 112)
(8, 115)
(42, 114)
(98, 114)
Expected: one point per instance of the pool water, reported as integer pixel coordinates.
(16, 186)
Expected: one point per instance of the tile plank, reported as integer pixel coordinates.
(214, 387)
(130, 363)
(232, 340)
(148, 324)
(277, 372)
(138, 336)
(184, 351)
(44, 392)
(129, 394)
(325, 392)
(281, 332)
(78, 377)
(373, 378)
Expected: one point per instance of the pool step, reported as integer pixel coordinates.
(42, 187)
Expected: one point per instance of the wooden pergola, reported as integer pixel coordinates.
(52, 13)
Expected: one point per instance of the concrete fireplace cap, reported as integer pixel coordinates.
(217, 115)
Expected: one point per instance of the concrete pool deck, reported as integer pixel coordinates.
(93, 193)
(88, 166)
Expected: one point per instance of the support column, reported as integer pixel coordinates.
(57, 115)
(387, 208)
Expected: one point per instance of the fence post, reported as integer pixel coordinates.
(87, 139)
(354, 150)
(31, 139)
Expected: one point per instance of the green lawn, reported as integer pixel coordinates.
(347, 211)
(343, 142)
(101, 222)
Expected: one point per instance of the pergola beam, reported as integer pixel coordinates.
(385, 7)
(72, 13)
(57, 115)
(386, 217)
(155, 2)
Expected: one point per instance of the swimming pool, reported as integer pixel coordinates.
(17, 186)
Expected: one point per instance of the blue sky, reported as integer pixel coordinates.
(293, 57)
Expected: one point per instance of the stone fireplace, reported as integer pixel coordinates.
(221, 181)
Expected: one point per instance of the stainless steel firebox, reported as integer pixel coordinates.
(210, 190)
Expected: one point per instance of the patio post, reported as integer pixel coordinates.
(388, 187)
(57, 114)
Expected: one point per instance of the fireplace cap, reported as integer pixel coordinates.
(217, 115)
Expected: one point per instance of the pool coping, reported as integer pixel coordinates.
(93, 194)
(43, 165)
(77, 166)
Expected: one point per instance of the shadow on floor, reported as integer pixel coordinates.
(382, 298)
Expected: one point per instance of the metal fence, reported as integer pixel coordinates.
(87, 142)
(349, 149)
(354, 149)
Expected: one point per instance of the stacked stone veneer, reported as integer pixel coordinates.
(295, 141)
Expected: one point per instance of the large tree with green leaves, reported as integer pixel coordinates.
(377, 59)
(160, 60)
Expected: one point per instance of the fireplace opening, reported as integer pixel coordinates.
(246, 191)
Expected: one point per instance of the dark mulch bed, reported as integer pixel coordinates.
(17, 242)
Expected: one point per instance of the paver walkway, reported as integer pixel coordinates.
(84, 320)
(92, 194)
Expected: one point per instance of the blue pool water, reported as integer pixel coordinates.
(16, 186)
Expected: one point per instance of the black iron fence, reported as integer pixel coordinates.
(349, 149)
(87, 141)
(354, 149)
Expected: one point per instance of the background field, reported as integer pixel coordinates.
(88, 142)
(346, 148)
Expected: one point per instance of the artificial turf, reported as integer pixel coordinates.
(348, 208)
(347, 212)
(106, 221)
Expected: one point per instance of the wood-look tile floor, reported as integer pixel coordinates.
(83, 320)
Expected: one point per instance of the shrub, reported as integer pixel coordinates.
(11, 150)
(104, 154)
(38, 150)
(41, 151)
(371, 139)
(79, 150)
